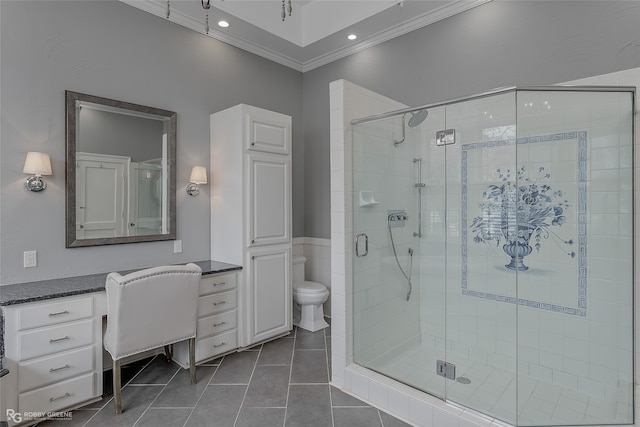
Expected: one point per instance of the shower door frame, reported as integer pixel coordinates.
(596, 88)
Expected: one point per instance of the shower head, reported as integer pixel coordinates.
(417, 117)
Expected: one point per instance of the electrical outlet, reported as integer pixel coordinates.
(177, 246)
(30, 259)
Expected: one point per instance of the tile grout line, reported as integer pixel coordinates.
(286, 405)
(156, 398)
(246, 390)
(206, 387)
(326, 356)
(129, 382)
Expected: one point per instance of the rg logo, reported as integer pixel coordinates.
(14, 416)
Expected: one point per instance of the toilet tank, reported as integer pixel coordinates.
(298, 269)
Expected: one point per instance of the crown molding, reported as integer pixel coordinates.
(395, 31)
(158, 9)
(186, 21)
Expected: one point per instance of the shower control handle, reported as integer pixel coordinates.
(366, 245)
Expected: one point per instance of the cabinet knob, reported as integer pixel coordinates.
(220, 302)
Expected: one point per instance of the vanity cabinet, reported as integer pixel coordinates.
(251, 215)
(216, 332)
(270, 315)
(53, 353)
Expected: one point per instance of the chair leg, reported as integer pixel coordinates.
(192, 359)
(168, 352)
(117, 386)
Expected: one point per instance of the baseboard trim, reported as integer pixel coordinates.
(317, 241)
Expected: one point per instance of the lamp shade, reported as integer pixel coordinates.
(198, 175)
(37, 163)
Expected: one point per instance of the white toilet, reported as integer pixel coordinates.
(308, 298)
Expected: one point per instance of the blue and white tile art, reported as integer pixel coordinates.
(527, 221)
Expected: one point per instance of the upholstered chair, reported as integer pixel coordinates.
(149, 309)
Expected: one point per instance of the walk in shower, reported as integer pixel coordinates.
(493, 261)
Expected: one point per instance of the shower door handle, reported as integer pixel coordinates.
(366, 245)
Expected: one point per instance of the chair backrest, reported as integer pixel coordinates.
(151, 308)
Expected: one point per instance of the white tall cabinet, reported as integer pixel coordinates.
(251, 215)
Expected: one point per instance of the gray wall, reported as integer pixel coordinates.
(110, 49)
(502, 43)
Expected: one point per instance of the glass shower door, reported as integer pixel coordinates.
(493, 263)
(480, 276)
(398, 265)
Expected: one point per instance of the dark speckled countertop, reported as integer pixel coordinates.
(21, 293)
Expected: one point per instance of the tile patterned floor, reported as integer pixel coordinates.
(281, 383)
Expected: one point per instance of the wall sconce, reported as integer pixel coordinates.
(37, 164)
(198, 176)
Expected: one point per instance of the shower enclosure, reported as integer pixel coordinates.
(493, 263)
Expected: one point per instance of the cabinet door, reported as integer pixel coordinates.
(270, 199)
(268, 131)
(268, 294)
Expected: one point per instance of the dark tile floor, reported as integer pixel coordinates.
(281, 383)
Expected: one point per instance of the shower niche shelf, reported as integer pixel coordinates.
(367, 198)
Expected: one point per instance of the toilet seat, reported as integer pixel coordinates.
(309, 288)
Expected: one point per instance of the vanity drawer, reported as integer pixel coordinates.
(211, 284)
(216, 323)
(53, 313)
(216, 303)
(50, 340)
(50, 369)
(58, 396)
(209, 347)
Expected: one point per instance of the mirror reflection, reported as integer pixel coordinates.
(120, 172)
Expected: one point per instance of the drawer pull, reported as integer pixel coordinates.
(59, 313)
(66, 337)
(219, 284)
(219, 345)
(215, 325)
(219, 302)
(59, 369)
(53, 399)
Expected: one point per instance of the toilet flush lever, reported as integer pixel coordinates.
(366, 245)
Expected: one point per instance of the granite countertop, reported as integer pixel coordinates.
(21, 293)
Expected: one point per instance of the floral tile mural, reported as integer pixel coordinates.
(522, 211)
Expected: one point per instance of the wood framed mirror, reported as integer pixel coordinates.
(120, 172)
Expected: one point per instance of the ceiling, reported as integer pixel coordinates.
(316, 32)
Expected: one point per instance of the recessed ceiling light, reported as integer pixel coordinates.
(223, 24)
(352, 37)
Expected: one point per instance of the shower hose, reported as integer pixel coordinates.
(395, 254)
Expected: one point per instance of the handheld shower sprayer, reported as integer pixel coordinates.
(395, 218)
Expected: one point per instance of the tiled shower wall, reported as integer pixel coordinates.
(384, 175)
(604, 303)
(555, 342)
